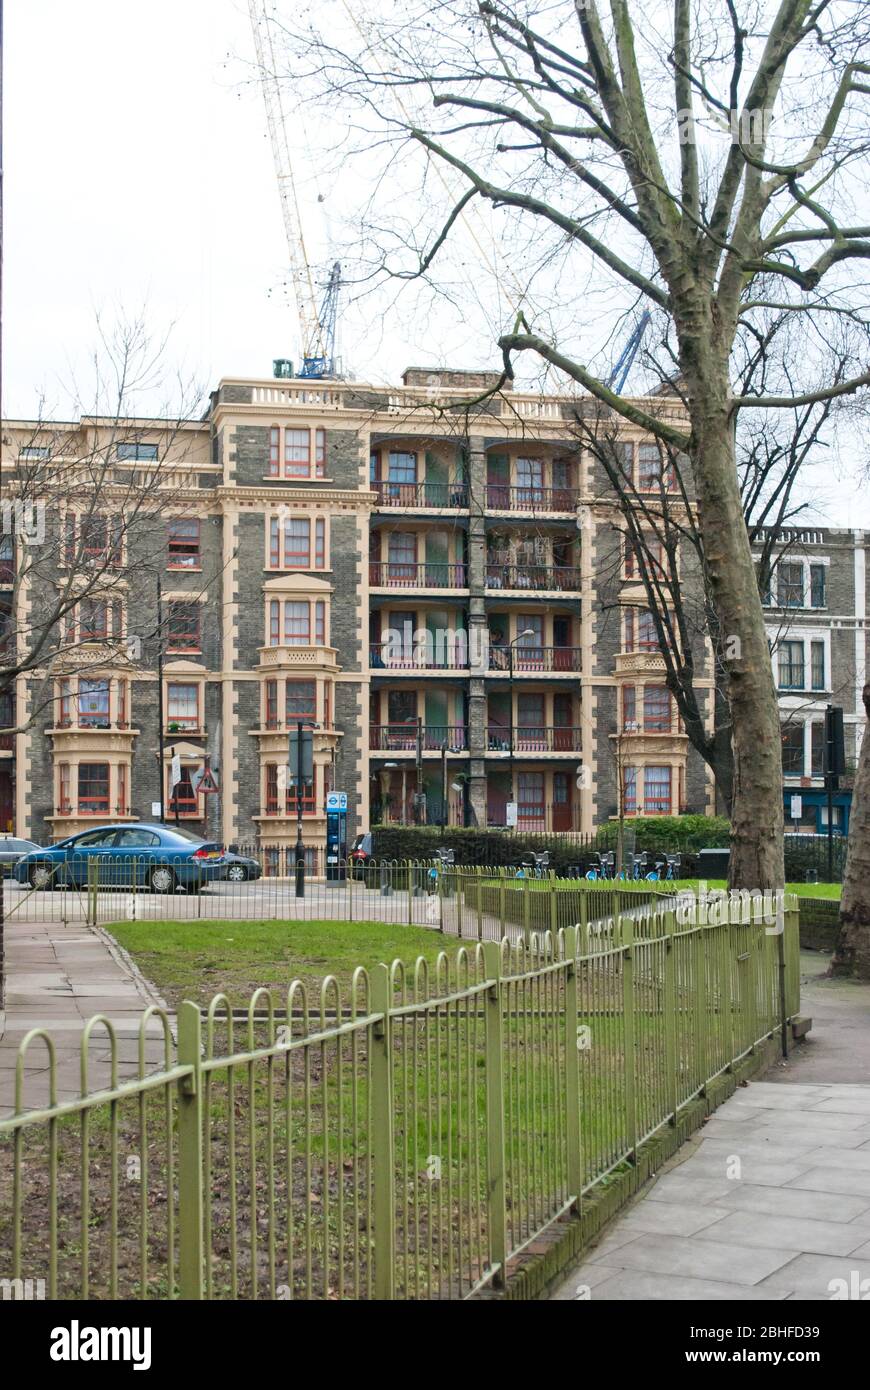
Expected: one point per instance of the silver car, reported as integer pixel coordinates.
(11, 850)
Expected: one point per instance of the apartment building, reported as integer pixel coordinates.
(374, 561)
(816, 608)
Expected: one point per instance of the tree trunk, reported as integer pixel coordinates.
(757, 808)
(852, 954)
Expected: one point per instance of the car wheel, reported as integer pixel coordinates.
(237, 873)
(41, 877)
(162, 880)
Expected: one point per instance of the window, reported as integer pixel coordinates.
(297, 543)
(402, 477)
(629, 790)
(95, 541)
(656, 709)
(7, 560)
(530, 721)
(184, 543)
(137, 839)
(140, 453)
(640, 632)
(402, 556)
(791, 666)
(34, 451)
(182, 798)
(530, 799)
(320, 623)
(274, 452)
(817, 665)
(657, 790)
(652, 554)
(297, 453)
(122, 704)
(63, 803)
(297, 624)
(790, 584)
(273, 798)
(530, 479)
(301, 701)
(123, 809)
(183, 627)
(93, 620)
(182, 706)
(818, 597)
(793, 750)
(94, 704)
(66, 704)
(652, 470)
(271, 705)
(629, 710)
(93, 789)
(319, 543)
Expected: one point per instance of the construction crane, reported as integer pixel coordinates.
(619, 375)
(317, 327)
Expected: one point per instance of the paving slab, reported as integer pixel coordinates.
(795, 1223)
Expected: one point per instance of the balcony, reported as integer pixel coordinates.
(388, 574)
(434, 496)
(534, 660)
(402, 738)
(502, 498)
(564, 738)
(540, 578)
(418, 656)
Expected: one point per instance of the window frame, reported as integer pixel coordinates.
(176, 558)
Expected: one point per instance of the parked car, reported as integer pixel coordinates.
(159, 857)
(11, 850)
(238, 868)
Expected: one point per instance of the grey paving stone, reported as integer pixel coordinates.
(787, 1232)
(752, 1169)
(637, 1286)
(698, 1258)
(831, 1179)
(810, 1275)
(844, 1105)
(678, 1187)
(856, 1159)
(792, 1201)
(671, 1218)
(587, 1276)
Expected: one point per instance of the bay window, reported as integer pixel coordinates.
(93, 789)
(294, 627)
(657, 790)
(290, 544)
(94, 704)
(656, 709)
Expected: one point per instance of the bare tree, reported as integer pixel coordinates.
(588, 135)
(84, 517)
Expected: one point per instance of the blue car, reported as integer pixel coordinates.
(159, 857)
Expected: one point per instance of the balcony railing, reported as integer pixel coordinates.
(653, 724)
(564, 738)
(563, 578)
(422, 656)
(390, 574)
(502, 498)
(402, 738)
(534, 659)
(535, 817)
(439, 495)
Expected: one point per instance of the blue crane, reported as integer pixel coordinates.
(619, 375)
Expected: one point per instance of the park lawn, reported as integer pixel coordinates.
(196, 960)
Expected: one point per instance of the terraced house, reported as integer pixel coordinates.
(433, 576)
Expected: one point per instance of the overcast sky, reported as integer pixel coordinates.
(138, 173)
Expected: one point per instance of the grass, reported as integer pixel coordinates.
(196, 960)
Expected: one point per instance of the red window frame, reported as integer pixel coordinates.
(297, 558)
(319, 543)
(274, 623)
(629, 790)
(658, 802)
(97, 627)
(295, 464)
(184, 721)
(182, 798)
(63, 788)
(270, 705)
(275, 452)
(92, 799)
(629, 709)
(189, 640)
(302, 638)
(309, 712)
(657, 710)
(273, 802)
(183, 548)
(320, 453)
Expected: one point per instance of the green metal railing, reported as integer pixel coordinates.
(404, 1139)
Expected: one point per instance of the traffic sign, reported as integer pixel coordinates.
(204, 781)
(336, 801)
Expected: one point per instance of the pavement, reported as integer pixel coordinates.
(771, 1199)
(59, 976)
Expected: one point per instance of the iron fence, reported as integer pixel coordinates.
(404, 1137)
